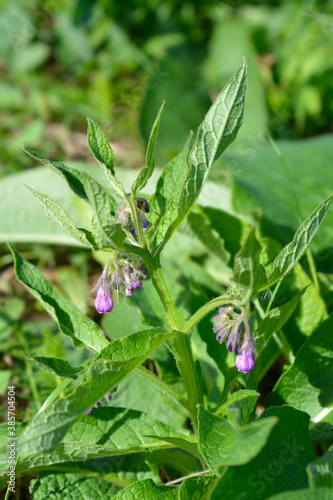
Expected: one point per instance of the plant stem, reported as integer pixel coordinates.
(181, 345)
(138, 225)
(213, 304)
(312, 268)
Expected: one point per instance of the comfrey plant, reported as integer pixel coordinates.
(201, 424)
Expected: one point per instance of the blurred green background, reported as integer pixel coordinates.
(63, 60)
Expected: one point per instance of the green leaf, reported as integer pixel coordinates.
(147, 489)
(146, 172)
(108, 432)
(221, 444)
(291, 254)
(320, 471)
(73, 486)
(106, 229)
(113, 364)
(275, 320)
(322, 494)
(103, 153)
(57, 366)
(195, 488)
(73, 177)
(202, 229)
(82, 330)
(307, 383)
(173, 459)
(171, 180)
(216, 132)
(241, 404)
(280, 465)
(249, 274)
(55, 212)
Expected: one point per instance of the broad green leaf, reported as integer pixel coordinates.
(216, 132)
(222, 444)
(291, 254)
(57, 366)
(147, 489)
(280, 465)
(55, 212)
(185, 444)
(103, 153)
(195, 488)
(114, 363)
(249, 274)
(106, 229)
(108, 432)
(121, 470)
(146, 172)
(73, 177)
(320, 471)
(257, 186)
(322, 494)
(74, 486)
(307, 384)
(82, 330)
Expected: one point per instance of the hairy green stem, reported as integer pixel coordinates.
(138, 225)
(210, 306)
(180, 344)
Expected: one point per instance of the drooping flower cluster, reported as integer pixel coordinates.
(121, 272)
(125, 216)
(100, 403)
(233, 329)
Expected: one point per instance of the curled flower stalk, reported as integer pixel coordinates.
(122, 273)
(234, 329)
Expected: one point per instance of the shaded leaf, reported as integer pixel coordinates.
(223, 444)
(82, 330)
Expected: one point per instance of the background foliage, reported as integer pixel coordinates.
(61, 61)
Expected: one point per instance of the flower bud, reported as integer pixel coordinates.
(103, 301)
(245, 360)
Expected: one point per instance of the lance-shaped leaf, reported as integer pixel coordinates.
(217, 131)
(249, 274)
(55, 212)
(50, 426)
(234, 398)
(103, 153)
(147, 489)
(56, 486)
(146, 172)
(291, 254)
(170, 181)
(82, 330)
(73, 177)
(57, 366)
(222, 444)
(308, 382)
(106, 229)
